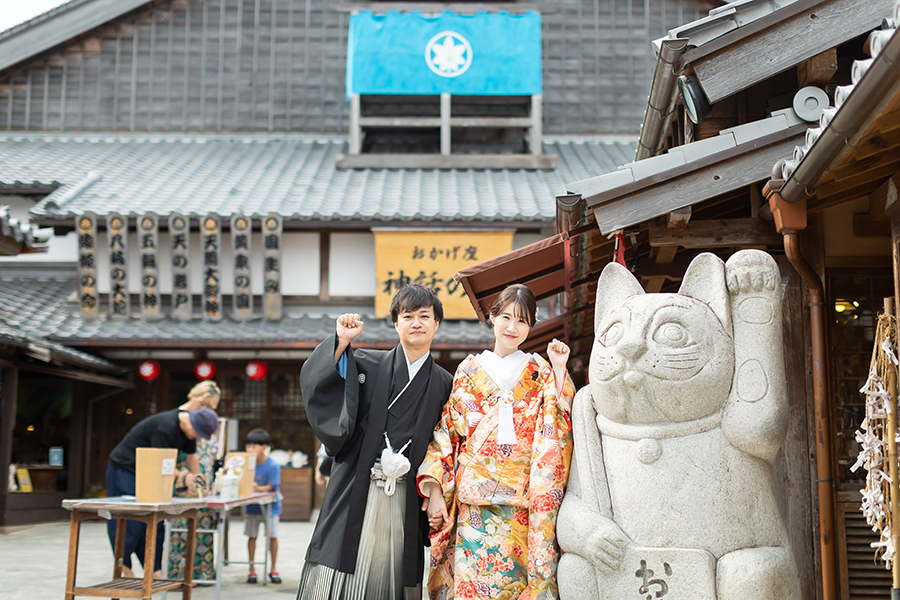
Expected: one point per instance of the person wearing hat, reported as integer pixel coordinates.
(177, 429)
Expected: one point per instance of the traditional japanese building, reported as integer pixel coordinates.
(225, 178)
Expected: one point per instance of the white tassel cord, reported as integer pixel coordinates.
(506, 428)
(394, 465)
(872, 440)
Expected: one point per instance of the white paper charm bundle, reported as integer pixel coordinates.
(394, 465)
(872, 437)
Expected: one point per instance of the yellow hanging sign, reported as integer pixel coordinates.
(431, 259)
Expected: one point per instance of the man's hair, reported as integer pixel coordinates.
(413, 297)
(260, 437)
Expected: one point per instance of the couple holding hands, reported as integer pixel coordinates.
(479, 477)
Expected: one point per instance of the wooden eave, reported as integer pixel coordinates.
(59, 26)
(861, 169)
(734, 66)
(694, 182)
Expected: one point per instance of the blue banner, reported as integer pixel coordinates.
(496, 54)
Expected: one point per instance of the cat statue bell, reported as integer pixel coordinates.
(671, 488)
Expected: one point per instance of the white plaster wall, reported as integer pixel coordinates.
(523, 239)
(351, 264)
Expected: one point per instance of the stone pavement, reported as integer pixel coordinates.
(33, 562)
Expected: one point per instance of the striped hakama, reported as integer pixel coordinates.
(379, 562)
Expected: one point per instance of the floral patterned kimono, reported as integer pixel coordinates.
(503, 499)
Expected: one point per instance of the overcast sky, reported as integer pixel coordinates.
(13, 12)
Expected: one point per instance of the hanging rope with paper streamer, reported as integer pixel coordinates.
(877, 439)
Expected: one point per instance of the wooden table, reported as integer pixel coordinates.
(122, 509)
(222, 507)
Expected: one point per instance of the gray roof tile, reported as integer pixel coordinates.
(294, 176)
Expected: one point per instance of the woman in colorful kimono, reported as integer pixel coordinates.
(496, 469)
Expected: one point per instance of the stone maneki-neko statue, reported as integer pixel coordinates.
(671, 489)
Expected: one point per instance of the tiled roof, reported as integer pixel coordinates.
(47, 350)
(724, 19)
(604, 186)
(23, 233)
(38, 306)
(294, 176)
(31, 308)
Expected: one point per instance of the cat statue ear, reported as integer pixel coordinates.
(705, 281)
(615, 285)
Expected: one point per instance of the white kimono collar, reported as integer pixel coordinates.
(503, 371)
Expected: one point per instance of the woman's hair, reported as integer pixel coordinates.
(207, 388)
(522, 299)
(260, 437)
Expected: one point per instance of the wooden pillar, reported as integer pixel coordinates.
(355, 143)
(7, 423)
(445, 124)
(77, 436)
(536, 131)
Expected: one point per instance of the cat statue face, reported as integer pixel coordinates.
(661, 358)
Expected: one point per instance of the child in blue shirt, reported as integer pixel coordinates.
(267, 479)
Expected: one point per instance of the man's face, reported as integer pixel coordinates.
(188, 429)
(258, 450)
(416, 328)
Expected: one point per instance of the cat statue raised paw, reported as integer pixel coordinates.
(671, 489)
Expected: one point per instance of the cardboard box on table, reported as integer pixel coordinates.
(154, 474)
(243, 464)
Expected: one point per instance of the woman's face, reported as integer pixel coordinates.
(510, 329)
(202, 399)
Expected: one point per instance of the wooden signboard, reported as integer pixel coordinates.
(212, 256)
(272, 252)
(242, 299)
(180, 240)
(87, 265)
(431, 259)
(148, 240)
(119, 297)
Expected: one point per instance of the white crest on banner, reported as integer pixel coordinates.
(448, 54)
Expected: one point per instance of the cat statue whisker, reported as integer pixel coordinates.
(671, 487)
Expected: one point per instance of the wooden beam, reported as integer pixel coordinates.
(70, 374)
(882, 199)
(865, 226)
(854, 183)
(453, 161)
(750, 167)
(9, 246)
(819, 69)
(678, 219)
(8, 398)
(661, 256)
(785, 44)
(725, 233)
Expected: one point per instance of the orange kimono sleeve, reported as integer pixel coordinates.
(550, 460)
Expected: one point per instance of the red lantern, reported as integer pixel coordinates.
(257, 370)
(148, 370)
(204, 370)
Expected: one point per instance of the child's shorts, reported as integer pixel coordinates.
(252, 523)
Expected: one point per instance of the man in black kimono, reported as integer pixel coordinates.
(368, 407)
